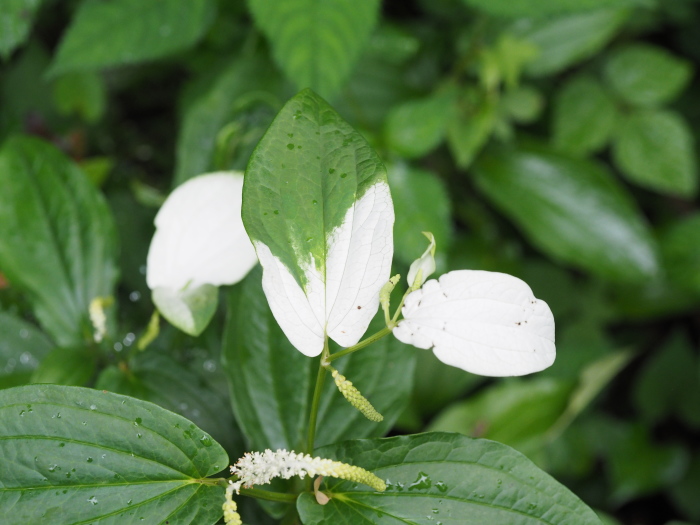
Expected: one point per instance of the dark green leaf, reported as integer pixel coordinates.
(270, 380)
(243, 80)
(22, 347)
(685, 493)
(571, 209)
(470, 127)
(530, 8)
(511, 412)
(66, 366)
(565, 40)
(158, 378)
(447, 478)
(655, 150)
(646, 75)
(584, 117)
(417, 127)
(82, 94)
(81, 456)
(680, 247)
(421, 205)
(316, 43)
(522, 104)
(107, 34)
(16, 19)
(57, 237)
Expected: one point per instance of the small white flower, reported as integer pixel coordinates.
(199, 236)
(486, 323)
(259, 468)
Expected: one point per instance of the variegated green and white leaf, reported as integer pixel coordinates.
(317, 207)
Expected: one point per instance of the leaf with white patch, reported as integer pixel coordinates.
(199, 244)
(487, 323)
(317, 207)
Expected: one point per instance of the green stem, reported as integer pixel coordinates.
(269, 496)
(316, 401)
(366, 342)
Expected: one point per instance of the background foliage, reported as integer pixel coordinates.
(554, 140)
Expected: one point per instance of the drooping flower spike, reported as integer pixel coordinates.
(259, 468)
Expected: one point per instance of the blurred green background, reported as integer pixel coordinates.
(550, 139)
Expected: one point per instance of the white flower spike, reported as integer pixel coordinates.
(199, 244)
(199, 236)
(486, 323)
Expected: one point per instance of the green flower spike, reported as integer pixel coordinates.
(355, 398)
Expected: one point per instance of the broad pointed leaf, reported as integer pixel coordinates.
(317, 207)
(316, 43)
(57, 236)
(447, 478)
(76, 455)
(104, 34)
(16, 19)
(22, 347)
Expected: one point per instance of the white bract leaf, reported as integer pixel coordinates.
(486, 323)
(199, 236)
(423, 267)
(343, 301)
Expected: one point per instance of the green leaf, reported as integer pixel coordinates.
(571, 209)
(158, 378)
(81, 93)
(421, 205)
(523, 104)
(316, 43)
(57, 237)
(584, 117)
(529, 8)
(16, 20)
(108, 34)
(655, 150)
(415, 128)
(81, 455)
(669, 384)
(446, 478)
(271, 381)
(511, 412)
(680, 247)
(22, 347)
(317, 208)
(684, 494)
(470, 127)
(566, 40)
(66, 366)
(646, 75)
(189, 309)
(240, 81)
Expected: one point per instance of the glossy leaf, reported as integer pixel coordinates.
(158, 378)
(470, 127)
(655, 149)
(316, 43)
(584, 117)
(108, 34)
(57, 237)
(573, 210)
(317, 207)
(446, 478)
(566, 40)
(82, 94)
(422, 204)
(22, 347)
(16, 19)
(417, 127)
(645, 75)
(270, 381)
(82, 455)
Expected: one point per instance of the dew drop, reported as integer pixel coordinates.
(137, 421)
(343, 175)
(314, 201)
(290, 146)
(331, 171)
(90, 460)
(276, 212)
(206, 441)
(441, 486)
(61, 445)
(92, 500)
(93, 407)
(422, 482)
